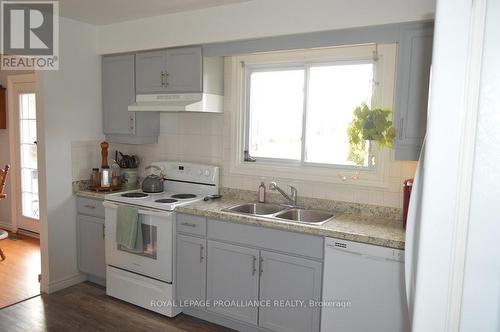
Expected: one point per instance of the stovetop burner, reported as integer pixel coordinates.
(183, 196)
(135, 195)
(166, 200)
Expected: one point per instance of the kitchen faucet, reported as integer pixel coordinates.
(292, 198)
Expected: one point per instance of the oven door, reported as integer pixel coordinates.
(155, 260)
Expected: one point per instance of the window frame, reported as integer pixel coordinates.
(237, 103)
(306, 66)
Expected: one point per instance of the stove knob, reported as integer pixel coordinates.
(199, 172)
(207, 173)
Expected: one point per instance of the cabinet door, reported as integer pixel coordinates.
(412, 92)
(150, 69)
(232, 274)
(184, 69)
(91, 257)
(288, 278)
(191, 268)
(118, 91)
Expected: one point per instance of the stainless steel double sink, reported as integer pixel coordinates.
(280, 212)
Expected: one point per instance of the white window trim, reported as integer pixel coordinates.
(383, 97)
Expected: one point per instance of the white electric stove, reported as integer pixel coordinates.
(146, 277)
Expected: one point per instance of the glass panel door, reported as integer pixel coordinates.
(28, 151)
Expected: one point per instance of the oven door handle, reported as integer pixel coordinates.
(148, 212)
(142, 211)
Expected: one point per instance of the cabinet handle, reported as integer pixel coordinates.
(401, 123)
(201, 254)
(103, 231)
(131, 122)
(166, 78)
(188, 224)
(88, 206)
(254, 265)
(162, 75)
(261, 261)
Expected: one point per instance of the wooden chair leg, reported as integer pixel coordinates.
(2, 254)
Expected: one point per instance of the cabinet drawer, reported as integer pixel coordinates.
(191, 224)
(90, 207)
(262, 237)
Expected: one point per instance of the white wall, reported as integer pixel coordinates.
(257, 18)
(71, 112)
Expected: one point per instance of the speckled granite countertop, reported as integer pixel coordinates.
(95, 194)
(80, 189)
(360, 228)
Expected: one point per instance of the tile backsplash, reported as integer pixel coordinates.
(205, 138)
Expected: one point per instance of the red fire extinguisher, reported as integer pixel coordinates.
(407, 186)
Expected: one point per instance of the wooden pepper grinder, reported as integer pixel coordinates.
(105, 171)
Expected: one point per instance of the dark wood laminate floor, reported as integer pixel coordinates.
(19, 271)
(86, 307)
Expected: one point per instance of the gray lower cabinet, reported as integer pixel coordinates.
(289, 278)
(91, 255)
(118, 92)
(169, 71)
(245, 265)
(191, 268)
(412, 91)
(232, 275)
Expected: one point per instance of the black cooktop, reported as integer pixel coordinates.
(135, 195)
(183, 196)
(166, 200)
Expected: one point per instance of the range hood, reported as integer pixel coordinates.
(210, 99)
(186, 102)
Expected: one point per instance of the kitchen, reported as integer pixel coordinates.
(205, 117)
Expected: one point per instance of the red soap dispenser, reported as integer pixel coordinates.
(262, 192)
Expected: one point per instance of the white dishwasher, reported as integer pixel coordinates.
(363, 288)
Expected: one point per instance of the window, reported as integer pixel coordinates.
(314, 101)
(290, 111)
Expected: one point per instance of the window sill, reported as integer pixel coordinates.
(348, 175)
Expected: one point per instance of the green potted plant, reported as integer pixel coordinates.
(369, 125)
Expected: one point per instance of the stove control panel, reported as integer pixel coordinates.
(190, 172)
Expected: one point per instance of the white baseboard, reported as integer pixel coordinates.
(28, 233)
(69, 281)
(7, 226)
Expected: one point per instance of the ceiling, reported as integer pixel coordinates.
(101, 12)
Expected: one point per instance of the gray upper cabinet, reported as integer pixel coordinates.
(412, 91)
(289, 278)
(150, 67)
(232, 274)
(184, 69)
(169, 71)
(118, 92)
(191, 268)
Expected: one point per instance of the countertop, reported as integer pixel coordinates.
(353, 227)
(92, 194)
(360, 228)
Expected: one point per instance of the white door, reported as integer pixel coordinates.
(25, 168)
